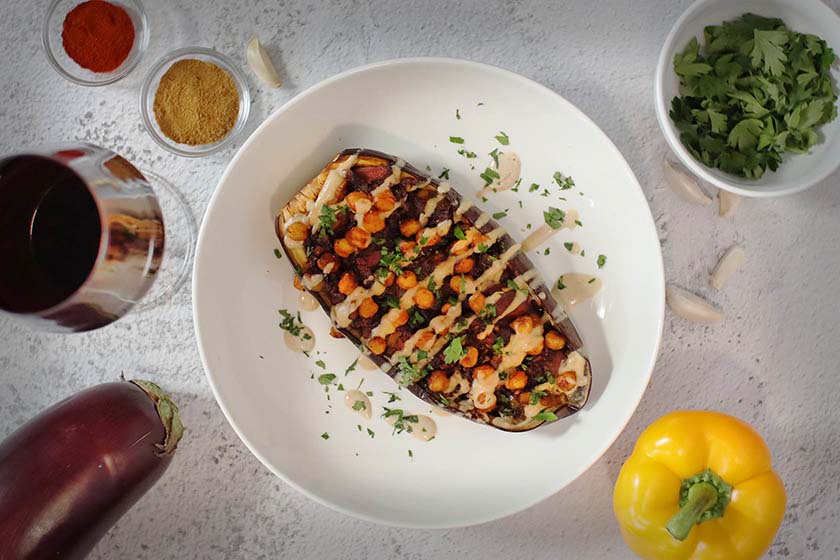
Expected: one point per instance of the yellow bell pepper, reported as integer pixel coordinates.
(699, 486)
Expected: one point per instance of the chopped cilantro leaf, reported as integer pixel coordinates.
(560, 284)
(393, 397)
(569, 246)
(547, 251)
(458, 232)
(278, 254)
(456, 139)
(565, 183)
(326, 378)
(500, 215)
(514, 286)
(359, 405)
(457, 114)
(533, 187)
(503, 139)
(410, 372)
(488, 313)
(289, 322)
(546, 416)
(489, 176)
(444, 174)
(591, 280)
(498, 345)
(455, 351)
(410, 453)
(351, 367)
(391, 260)
(495, 155)
(579, 223)
(417, 319)
(328, 217)
(321, 364)
(602, 260)
(371, 433)
(325, 435)
(536, 396)
(554, 217)
(392, 301)
(482, 248)
(467, 154)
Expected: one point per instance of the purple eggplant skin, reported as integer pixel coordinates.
(70, 473)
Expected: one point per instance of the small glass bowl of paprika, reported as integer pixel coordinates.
(95, 42)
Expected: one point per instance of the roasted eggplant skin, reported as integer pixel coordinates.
(519, 264)
(70, 473)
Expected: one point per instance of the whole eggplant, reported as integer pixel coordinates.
(70, 473)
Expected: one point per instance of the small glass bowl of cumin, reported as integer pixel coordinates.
(150, 90)
(70, 69)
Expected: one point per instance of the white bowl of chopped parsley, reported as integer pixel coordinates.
(746, 94)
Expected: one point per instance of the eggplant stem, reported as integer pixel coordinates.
(169, 415)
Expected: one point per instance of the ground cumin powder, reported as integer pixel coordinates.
(196, 102)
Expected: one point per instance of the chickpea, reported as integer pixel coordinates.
(389, 279)
(524, 398)
(455, 282)
(407, 247)
(400, 318)
(354, 197)
(376, 345)
(385, 201)
(407, 280)
(460, 247)
(409, 227)
(368, 308)
(554, 340)
(464, 265)
(347, 283)
(335, 333)
(524, 324)
(298, 283)
(438, 381)
(327, 262)
(485, 401)
(358, 238)
(426, 340)
(516, 380)
(483, 372)
(430, 241)
(297, 231)
(373, 222)
(477, 302)
(471, 358)
(343, 248)
(424, 298)
(566, 381)
(445, 308)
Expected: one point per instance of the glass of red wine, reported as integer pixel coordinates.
(82, 237)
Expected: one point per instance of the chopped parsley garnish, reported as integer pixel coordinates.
(416, 318)
(432, 286)
(488, 313)
(410, 453)
(479, 104)
(546, 416)
(325, 435)
(278, 254)
(500, 215)
(410, 372)
(359, 405)
(328, 217)
(602, 260)
(565, 183)
(582, 253)
(444, 174)
(393, 397)
(545, 193)
(489, 176)
(326, 378)
(391, 260)
(503, 139)
(421, 355)
(359, 426)
(554, 217)
(591, 280)
(466, 153)
(423, 240)
(495, 155)
(457, 114)
(560, 284)
(371, 433)
(515, 187)
(321, 364)
(533, 187)
(291, 323)
(536, 396)
(340, 387)
(456, 139)
(520, 203)
(579, 223)
(459, 233)
(513, 285)
(369, 393)
(428, 168)
(306, 336)
(569, 246)
(455, 351)
(391, 301)
(547, 251)
(498, 345)
(482, 248)
(403, 421)
(352, 367)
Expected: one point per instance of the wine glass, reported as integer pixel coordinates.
(82, 237)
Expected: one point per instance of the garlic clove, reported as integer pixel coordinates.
(729, 202)
(682, 183)
(261, 64)
(729, 264)
(692, 307)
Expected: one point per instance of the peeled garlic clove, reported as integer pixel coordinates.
(261, 64)
(729, 202)
(679, 181)
(729, 263)
(692, 307)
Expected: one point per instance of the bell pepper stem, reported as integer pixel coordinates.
(702, 496)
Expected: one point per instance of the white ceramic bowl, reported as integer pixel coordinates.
(797, 172)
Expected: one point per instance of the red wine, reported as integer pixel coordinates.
(50, 232)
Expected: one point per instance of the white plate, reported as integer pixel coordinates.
(470, 473)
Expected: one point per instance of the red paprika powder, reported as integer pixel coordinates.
(98, 35)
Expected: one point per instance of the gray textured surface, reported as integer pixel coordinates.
(774, 362)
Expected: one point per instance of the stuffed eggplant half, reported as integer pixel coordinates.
(436, 293)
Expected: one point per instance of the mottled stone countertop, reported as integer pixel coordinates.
(773, 362)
